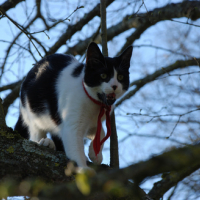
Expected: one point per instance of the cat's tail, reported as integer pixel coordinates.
(21, 128)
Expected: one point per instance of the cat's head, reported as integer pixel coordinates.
(106, 79)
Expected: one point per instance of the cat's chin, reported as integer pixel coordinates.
(107, 99)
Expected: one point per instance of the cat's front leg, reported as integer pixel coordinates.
(72, 137)
(96, 159)
(35, 134)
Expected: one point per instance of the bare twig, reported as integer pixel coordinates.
(141, 82)
(21, 29)
(10, 46)
(59, 21)
(185, 23)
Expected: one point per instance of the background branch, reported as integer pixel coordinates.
(154, 76)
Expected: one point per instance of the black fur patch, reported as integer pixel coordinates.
(58, 143)
(40, 85)
(77, 71)
(21, 128)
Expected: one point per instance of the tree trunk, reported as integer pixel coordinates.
(2, 117)
(114, 155)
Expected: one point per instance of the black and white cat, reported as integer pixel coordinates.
(58, 97)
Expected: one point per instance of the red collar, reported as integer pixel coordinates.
(97, 142)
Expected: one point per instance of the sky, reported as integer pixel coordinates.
(150, 100)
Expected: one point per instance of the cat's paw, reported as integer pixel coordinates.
(97, 160)
(47, 143)
(87, 170)
(72, 169)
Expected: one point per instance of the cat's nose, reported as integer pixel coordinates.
(114, 87)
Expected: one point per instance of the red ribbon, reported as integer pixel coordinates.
(97, 142)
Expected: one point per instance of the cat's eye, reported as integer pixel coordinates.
(103, 76)
(120, 77)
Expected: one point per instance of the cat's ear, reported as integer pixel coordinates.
(125, 57)
(94, 56)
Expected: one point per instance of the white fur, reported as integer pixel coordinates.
(78, 113)
(47, 143)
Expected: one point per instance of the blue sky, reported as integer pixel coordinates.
(169, 95)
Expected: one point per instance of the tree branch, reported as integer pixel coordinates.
(103, 28)
(71, 29)
(10, 86)
(142, 22)
(169, 180)
(141, 82)
(2, 117)
(11, 97)
(21, 29)
(114, 155)
(10, 4)
(41, 162)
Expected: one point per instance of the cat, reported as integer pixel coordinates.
(63, 97)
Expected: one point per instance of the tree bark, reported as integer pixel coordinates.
(103, 28)
(114, 151)
(2, 117)
(21, 159)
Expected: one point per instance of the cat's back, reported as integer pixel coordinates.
(47, 70)
(50, 66)
(40, 84)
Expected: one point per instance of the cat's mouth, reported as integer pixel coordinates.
(107, 99)
(110, 98)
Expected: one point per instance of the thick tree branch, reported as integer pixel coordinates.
(10, 4)
(41, 162)
(169, 180)
(34, 160)
(11, 97)
(141, 22)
